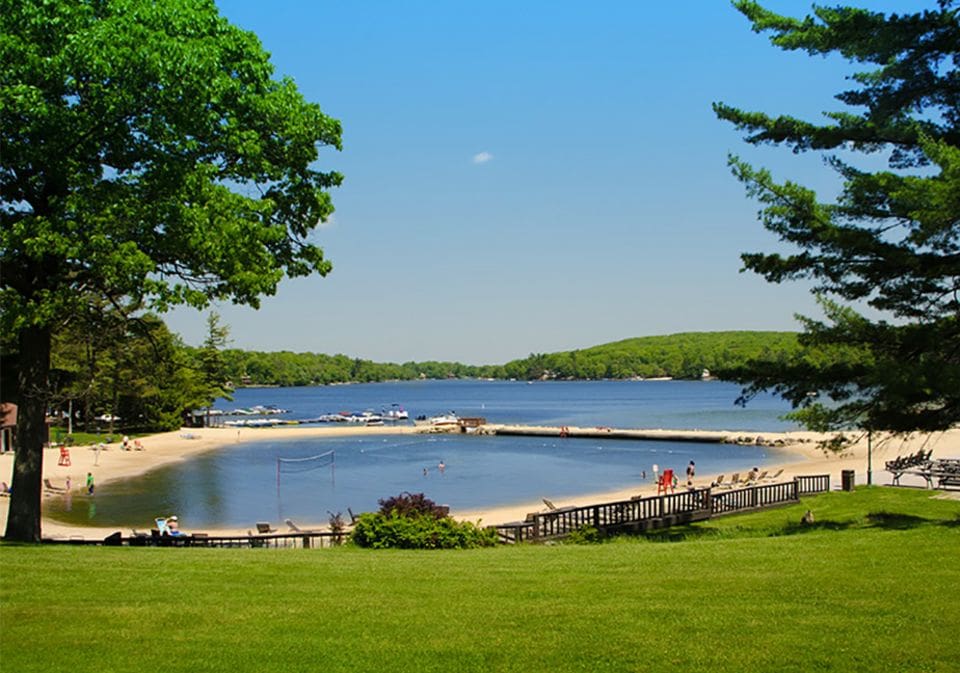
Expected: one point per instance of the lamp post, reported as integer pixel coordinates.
(869, 457)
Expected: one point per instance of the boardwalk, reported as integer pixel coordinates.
(660, 511)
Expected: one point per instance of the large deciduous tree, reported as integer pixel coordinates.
(148, 158)
(890, 240)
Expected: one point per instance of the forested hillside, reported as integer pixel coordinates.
(683, 355)
(676, 355)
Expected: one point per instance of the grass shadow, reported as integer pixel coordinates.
(952, 523)
(896, 521)
(802, 528)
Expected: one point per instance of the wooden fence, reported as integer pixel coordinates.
(659, 511)
(301, 540)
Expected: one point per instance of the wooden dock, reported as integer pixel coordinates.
(697, 436)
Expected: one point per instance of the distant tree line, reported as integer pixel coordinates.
(676, 356)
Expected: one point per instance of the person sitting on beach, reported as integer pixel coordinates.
(137, 445)
(173, 526)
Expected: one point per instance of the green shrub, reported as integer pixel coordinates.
(584, 535)
(416, 522)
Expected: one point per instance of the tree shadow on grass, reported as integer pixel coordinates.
(882, 520)
(679, 534)
(952, 523)
(896, 521)
(799, 528)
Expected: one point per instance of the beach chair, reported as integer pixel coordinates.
(665, 483)
(550, 505)
(734, 480)
(294, 528)
(50, 487)
(718, 482)
(263, 528)
(64, 457)
(773, 477)
(353, 517)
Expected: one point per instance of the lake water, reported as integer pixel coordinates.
(239, 485)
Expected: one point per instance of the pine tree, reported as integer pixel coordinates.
(890, 241)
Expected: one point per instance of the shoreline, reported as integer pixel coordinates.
(170, 447)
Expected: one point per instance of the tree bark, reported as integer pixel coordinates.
(23, 519)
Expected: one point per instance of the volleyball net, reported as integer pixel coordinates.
(308, 464)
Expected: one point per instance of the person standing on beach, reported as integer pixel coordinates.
(656, 468)
(691, 470)
(89, 483)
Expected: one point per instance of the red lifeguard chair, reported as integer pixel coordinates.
(665, 483)
(64, 457)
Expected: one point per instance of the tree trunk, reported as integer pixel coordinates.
(23, 519)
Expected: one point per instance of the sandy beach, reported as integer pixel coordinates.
(114, 463)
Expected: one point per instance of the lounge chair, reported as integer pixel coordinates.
(550, 505)
(718, 482)
(294, 528)
(773, 477)
(734, 480)
(353, 517)
(50, 487)
(263, 528)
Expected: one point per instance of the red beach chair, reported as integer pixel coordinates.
(64, 457)
(665, 483)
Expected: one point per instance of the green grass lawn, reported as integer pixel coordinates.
(873, 586)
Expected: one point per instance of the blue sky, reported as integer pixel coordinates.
(532, 177)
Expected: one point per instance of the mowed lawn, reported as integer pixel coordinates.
(873, 586)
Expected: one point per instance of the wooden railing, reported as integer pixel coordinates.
(302, 540)
(658, 511)
(819, 483)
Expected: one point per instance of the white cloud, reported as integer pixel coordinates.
(482, 157)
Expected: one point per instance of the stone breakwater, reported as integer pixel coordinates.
(699, 436)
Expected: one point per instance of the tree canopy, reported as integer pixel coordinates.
(890, 241)
(150, 158)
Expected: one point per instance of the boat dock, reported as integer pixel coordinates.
(698, 436)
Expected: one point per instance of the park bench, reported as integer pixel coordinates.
(902, 465)
(946, 472)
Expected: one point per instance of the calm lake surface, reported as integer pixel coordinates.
(239, 485)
